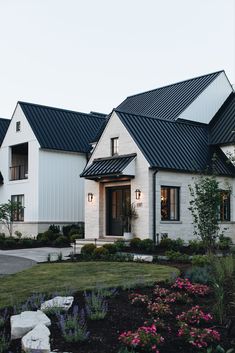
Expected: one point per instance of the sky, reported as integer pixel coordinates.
(89, 55)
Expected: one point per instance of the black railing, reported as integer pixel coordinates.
(19, 172)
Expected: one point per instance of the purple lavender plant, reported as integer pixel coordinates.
(96, 305)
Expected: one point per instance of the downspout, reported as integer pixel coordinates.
(154, 207)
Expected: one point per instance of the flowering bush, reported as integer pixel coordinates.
(194, 316)
(159, 323)
(198, 337)
(191, 288)
(159, 309)
(138, 299)
(176, 297)
(144, 339)
(161, 292)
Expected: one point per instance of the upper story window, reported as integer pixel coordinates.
(18, 214)
(114, 146)
(170, 203)
(224, 211)
(18, 126)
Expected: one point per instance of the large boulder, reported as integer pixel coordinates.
(61, 303)
(37, 340)
(26, 321)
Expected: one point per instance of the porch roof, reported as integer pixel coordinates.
(115, 166)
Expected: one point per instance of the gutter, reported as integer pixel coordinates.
(154, 208)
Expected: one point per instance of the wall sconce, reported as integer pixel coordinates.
(137, 194)
(90, 197)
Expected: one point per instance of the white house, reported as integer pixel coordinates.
(42, 154)
(152, 147)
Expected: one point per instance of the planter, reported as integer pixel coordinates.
(128, 235)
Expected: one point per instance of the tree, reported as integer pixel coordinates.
(205, 206)
(7, 212)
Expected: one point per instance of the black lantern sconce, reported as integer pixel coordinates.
(90, 197)
(137, 194)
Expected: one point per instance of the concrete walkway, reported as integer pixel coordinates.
(12, 261)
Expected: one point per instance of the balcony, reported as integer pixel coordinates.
(19, 172)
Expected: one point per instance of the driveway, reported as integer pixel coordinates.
(12, 261)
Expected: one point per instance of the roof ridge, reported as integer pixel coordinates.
(175, 83)
(182, 122)
(61, 109)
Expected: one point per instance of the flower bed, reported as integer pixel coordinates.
(139, 320)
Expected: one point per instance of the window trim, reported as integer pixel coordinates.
(221, 206)
(113, 139)
(175, 220)
(20, 213)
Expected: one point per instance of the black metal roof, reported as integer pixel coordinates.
(62, 129)
(170, 145)
(4, 123)
(222, 126)
(107, 167)
(167, 102)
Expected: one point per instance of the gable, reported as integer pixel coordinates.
(61, 129)
(170, 101)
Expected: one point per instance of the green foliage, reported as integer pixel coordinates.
(176, 256)
(204, 205)
(55, 229)
(88, 249)
(50, 236)
(68, 230)
(74, 237)
(18, 234)
(196, 246)
(224, 243)
(147, 245)
(112, 249)
(61, 241)
(120, 245)
(100, 252)
(171, 244)
(200, 260)
(219, 349)
(4, 343)
(60, 255)
(7, 210)
(219, 306)
(199, 275)
(135, 243)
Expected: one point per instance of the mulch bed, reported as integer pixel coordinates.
(123, 316)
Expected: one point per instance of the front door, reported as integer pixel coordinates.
(117, 202)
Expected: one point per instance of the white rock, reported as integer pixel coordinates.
(26, 321)
(37, 340)
(145, 258)
(63, 303)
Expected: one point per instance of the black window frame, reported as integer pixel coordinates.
(114, 146)
(225, 214)
(18, 126)
(18, 216)
(168, 204)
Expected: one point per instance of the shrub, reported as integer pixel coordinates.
(144, 339)
(88, 249)
(120, 245)
(50, 236)
(2, 235)
(79, 227)
(194, 316)
(176, 256)
(147, 245)
(61, 241)
(200, 260)
(74, 237)
(135, 243)
(54, 229)
(26, 243)
(166, 243)
(224, 243)
(199, 274)
(10, 243)
(198, 337)
(191, 288)
(112, 249)
(138, 299)
(159, 309)
(197, 246)
(100, 252)
(96, 305)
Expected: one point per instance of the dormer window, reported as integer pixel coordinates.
(114, 146)
(18, 126)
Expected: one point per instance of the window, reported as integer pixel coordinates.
(170, 203)
(114, 146)
(18, 126)
(224, 212)
(18, 215)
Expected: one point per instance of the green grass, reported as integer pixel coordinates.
(48, 278)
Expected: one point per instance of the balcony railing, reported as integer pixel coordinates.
(19, 172)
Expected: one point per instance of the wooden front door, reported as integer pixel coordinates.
(117, 201)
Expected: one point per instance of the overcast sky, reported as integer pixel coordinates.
(90, 54)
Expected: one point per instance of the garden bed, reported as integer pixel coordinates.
(123, 316)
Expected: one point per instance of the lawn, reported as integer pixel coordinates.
(51, 277)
